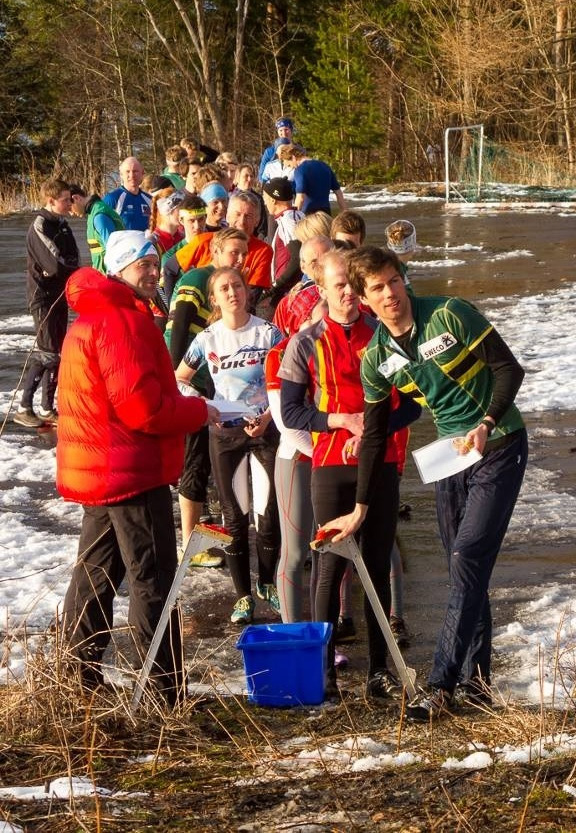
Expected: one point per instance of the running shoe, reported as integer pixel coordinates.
(202, 559)
(383, 685)
(430, 705)
(473, 694)
(340, 660)
(345, 632)
(398, 628)
(331, 690)
(48, 415)
(27, 418)
(206, 559)
(243, 611)
(268, 593)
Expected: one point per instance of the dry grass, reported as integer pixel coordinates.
(17, 197)
(219, 763)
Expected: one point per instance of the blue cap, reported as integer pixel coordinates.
(284, 122)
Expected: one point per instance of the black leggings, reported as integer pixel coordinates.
(231, 450)
(334, 494)
(50, 324)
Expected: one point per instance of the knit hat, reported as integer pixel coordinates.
(279, 189)
(300, 307)
(160, 182)
(282, 140)
(284, 122)
(167, 204)
(214, 191)
(124, 247)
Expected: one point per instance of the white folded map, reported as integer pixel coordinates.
(441, 458)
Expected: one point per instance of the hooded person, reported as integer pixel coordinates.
(120, 447)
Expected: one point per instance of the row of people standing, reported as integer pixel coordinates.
(464, 646)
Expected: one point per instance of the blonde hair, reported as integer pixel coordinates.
(227, 158)
(311, 226)
(220, 237)
(175, 153)
(293, 152)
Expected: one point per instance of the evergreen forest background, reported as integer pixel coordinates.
(371, 83)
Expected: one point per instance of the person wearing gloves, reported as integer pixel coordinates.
(120, 446)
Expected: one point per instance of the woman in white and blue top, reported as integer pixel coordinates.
(234, 348)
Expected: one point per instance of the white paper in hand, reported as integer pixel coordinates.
(441, 459)
(231, 409)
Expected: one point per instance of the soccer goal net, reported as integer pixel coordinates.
(463, 162)
(480, 170)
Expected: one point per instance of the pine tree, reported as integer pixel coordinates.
(339, 118)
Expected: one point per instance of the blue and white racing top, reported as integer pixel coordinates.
(235, 360)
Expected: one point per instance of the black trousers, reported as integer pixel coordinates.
(334, 494)
(193, 483)
(231, 449)
(50, 324)
(133, 538)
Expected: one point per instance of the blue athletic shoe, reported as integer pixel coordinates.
(243, 611)
(268, 593)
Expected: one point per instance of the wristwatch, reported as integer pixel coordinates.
(489, 425)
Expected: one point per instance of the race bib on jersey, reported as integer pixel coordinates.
(392, 365)
(436, 345)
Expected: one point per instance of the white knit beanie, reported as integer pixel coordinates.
(124, 247)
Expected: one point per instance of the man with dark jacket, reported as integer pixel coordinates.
(52, 256)
(120, 446)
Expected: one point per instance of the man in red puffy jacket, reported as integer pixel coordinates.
(120, 446)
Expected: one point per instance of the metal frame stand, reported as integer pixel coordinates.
(202, 538)
(348, 548)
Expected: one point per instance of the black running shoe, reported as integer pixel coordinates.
(345, 632)
(473, 694)
(430, 705)
(383, 685)
(398, 628)
(405, 511)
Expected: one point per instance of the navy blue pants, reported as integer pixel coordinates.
(474, 508)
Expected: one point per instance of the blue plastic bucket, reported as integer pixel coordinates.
(285, 665)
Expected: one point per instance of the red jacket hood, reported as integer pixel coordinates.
(88, 290)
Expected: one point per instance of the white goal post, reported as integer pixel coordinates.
(453, 183)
